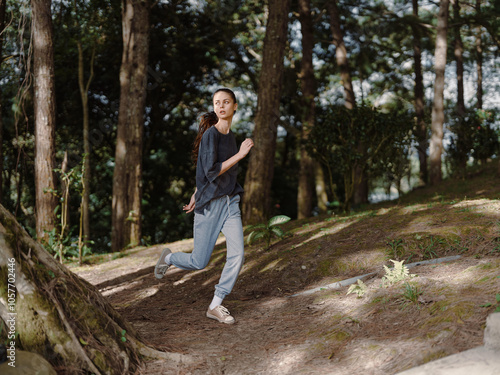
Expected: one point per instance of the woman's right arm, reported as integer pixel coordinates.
(190, 206)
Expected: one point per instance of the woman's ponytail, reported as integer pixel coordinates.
(207, 120)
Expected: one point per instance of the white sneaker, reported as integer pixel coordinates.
(221, 314)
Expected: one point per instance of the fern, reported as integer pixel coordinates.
(396, 274)
(359, 288)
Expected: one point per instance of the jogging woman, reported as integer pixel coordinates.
(215, 202)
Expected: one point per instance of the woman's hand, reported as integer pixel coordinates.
(245, 147)
(190, 206)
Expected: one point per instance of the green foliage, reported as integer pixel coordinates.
(395, 274)
(429, 249)
(473, 136)
(396, 248)
(122, 336)
(364, 138)
(496, 304)
(267, 231)
(359, 288)
(411, 292)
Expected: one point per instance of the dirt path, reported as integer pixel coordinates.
(324, 333)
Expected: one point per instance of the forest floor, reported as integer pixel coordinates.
(439, 311)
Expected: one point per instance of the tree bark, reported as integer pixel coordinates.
(307, 170)
(436, 146)
(59, 315)
(321, 188)
(84, 94)
(3, 4)
(45, 116)
(421, 130)
(127, 185)
(459, 59)
(479, 61)
(256, 200)
(341, 54)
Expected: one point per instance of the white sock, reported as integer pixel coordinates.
(167, 259)
(215, 302)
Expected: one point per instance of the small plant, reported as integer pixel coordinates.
(396, 248)
(411, 292)
(359, 288)
(267, 231)
(396, 274)
(123, 338)
(429, 250)
(497, 303)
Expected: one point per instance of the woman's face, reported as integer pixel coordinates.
(224, 105)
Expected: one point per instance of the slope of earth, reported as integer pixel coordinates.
(441, 310)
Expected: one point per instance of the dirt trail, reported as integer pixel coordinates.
(328, 332)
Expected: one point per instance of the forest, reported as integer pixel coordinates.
(341, 98)
(348, 103)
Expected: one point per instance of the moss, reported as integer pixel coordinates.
(434, 355)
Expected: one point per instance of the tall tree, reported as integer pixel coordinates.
(436, 146)
(341, 54)
(259, 176)
(479, 60)
(421, 131)
(127, 187)
(459, 58)
(84, 85)
(360, 182)
(3, 4)
(45, 116)
(308, 86)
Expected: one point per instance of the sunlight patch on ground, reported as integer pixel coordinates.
(328, 231)
(286, 360)
(270, 266)
(483, 206)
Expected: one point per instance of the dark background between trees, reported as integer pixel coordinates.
(340, 97)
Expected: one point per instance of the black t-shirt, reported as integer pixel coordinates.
(215, 148)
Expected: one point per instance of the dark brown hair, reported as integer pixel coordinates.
(207, 120)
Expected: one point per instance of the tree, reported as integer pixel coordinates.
(421, 130)
(58, 314)
(3, 4)
(45, 116)
(84, 85)
(127, 187)
(360, 192)
(259, 176)
(479, 60)
(307, 168)
(436, 145)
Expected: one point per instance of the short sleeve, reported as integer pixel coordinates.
(208, 153)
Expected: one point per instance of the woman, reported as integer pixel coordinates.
(215, 202)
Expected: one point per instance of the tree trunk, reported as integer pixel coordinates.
(459, 59)
(127, 185)
(360, 192)
(256, 200)
(421, 131)
(59, 315)
(436, 146)
(321, 188)
(45, 116)
(306, 174)
(3, 4)
(479, 58)
(84, 94)
(341, 54)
